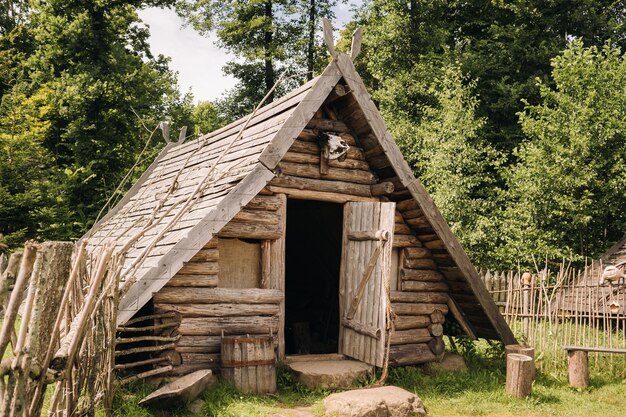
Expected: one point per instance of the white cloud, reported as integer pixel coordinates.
(196, 59)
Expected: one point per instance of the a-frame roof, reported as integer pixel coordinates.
(218, 174)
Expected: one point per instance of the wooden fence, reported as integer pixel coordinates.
(551, 309)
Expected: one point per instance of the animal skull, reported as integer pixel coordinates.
(337, 147)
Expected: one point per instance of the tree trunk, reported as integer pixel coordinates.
(578, 365)
(267, 45)
(519, 375)
(310, 59)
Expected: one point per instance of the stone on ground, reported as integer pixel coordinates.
(374, 402)
(450, 362)
(330, 374)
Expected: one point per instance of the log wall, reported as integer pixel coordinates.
(209, 305)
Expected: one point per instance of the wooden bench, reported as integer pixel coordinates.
(578, 363)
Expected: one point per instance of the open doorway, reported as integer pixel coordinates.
(313, 259)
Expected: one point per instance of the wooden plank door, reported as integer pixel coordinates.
(364, 279)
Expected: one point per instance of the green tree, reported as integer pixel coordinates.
(439, 138)
(76, 74)
(267, 37)
(568, 191)
(206, 118)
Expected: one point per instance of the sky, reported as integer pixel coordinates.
(195, 58)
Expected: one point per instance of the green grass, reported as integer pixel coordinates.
(476, 392)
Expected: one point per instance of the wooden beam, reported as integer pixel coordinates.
(357, 40)
(460, 318)
(328, 37)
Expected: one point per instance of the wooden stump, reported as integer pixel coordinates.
(519, 374)
(522, 350)
(249, 362)
(578, 365)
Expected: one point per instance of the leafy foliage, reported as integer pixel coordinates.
(568, 191)
(75, 76)
(268, 37)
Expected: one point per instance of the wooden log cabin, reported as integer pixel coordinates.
(256, 229)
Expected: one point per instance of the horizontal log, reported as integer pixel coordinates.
(428, 237)
(206, 255)
(144, 362)
(306, 158)
(319, 196)
(403, 337)
(141, 319)
(419, 263)
(412, 214)
(192, 281)
(251, 231)
(403, 241)
(417, 253)
(144, 349)
(401, 229)
(213, 326)
(199, 268)
(339, 174)
(443, 259)
(382, 188)
(322, 185)
(152, 328)
(453, 273)
(201, 358)
(409, 309)
(218, 295)
(419, 297)
(379, 162)
(221, 310)
(257, 217)
(211, 244)
(309, 135)
(313, 148)
(409, 204)
(147, 338)
(435, 244)
(328, 125)
(420, 275)
(198, 349)
(418, 223)
(411, 322)
(338, 92)
(204, 341)
(410, 354)
(424, 286)
(265, 203)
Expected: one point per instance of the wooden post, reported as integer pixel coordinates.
(519, 375)
(277, 273)
(50, 276)
(578, 366)
(527, 279)
(522, 350)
